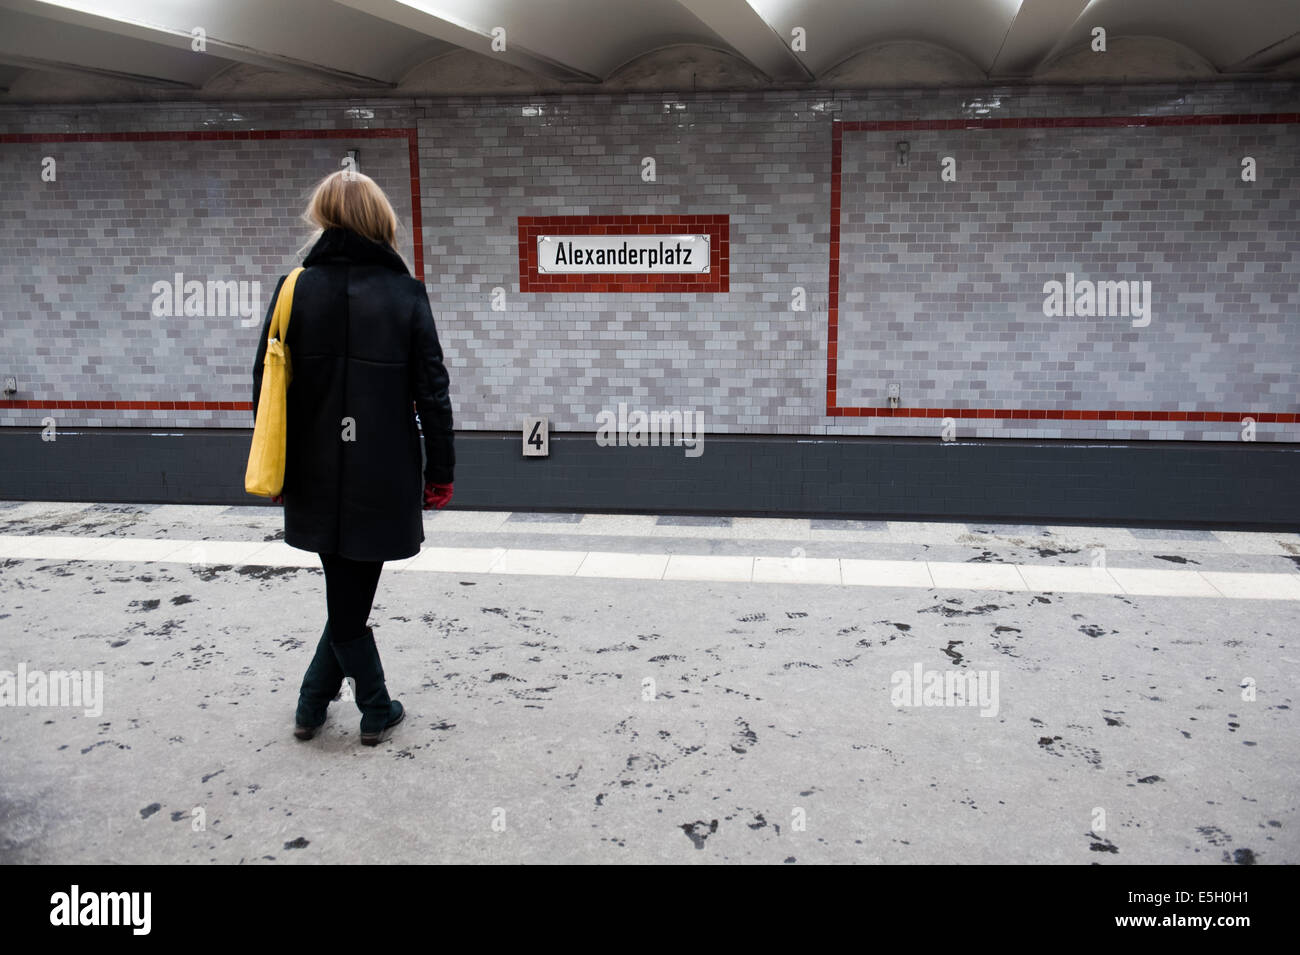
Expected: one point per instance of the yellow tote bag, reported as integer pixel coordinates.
(265, 474)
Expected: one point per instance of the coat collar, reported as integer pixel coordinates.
(338, 243)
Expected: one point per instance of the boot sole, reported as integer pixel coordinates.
(374, 739)
(309, 732)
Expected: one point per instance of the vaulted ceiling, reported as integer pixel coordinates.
(131, 50)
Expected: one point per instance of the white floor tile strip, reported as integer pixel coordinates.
(832, 572)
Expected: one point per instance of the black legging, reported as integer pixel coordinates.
(349, 592)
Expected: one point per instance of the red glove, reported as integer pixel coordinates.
(436, 495)
(278, 499)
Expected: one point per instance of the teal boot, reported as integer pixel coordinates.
(320, 685)
(360, 660)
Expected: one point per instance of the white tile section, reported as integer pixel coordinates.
(233, 553)
(824, 571)
(560, 563)
(796, 570)
(1245, 586)
(1163, 583)
(1069, 580)
(280, 554)
(885, 573)
(458, 560)
(709, 567)
(977, 576)
(136, 548)
(50, 547)
(615, 564)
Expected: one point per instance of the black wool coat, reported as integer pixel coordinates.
(362, 347)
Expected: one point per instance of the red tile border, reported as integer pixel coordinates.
(1002, 414)
(410, 134)
(717, 279)
(60, 405)
(838, 128)
(1054, 414)
(1060, 122)
(833, 305)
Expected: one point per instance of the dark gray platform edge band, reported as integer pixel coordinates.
(1250, 485)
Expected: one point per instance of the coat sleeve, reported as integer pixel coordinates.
(261, 347)
(429, 390)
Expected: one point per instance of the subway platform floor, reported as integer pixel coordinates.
(642, 688)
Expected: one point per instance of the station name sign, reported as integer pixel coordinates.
(623, 254)
(683, 253)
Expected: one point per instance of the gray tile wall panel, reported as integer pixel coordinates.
(78, 257)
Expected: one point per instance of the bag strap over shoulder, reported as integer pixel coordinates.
(283, 306)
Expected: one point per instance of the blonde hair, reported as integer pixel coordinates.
(351, 200)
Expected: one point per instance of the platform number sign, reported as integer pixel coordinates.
(537, 442)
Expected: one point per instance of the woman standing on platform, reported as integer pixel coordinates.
(363, 347)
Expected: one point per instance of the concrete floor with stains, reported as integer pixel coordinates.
(560, 718)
